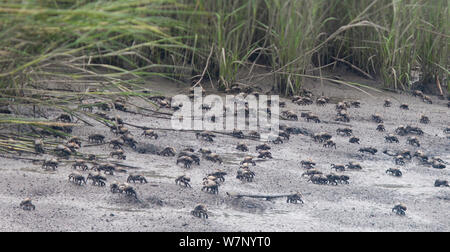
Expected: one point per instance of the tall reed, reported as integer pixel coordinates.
(124, 42)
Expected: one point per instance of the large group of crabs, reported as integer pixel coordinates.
(212, 181)
(68, 152)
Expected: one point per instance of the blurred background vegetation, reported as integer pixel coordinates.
(109, 40)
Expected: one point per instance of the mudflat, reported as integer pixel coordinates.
(365, 204)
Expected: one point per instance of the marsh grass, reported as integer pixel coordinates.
(405, 35)
(106, 49)
(126, 41)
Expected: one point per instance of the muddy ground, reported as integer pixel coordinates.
(363, 205)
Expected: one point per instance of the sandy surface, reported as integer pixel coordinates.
(363, 205)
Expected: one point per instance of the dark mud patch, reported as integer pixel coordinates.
(148, 149)
(122, 209)
(336, 100)
(128, 201)
(389, 186)
(37, 170)
(233, 158)
(252, 206)
(154, 174)
(156, 201)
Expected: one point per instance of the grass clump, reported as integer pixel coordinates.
(176, 38)
(406, 37)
